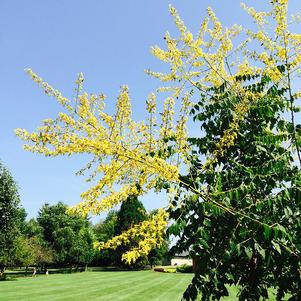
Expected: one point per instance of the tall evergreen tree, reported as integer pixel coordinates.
(131, 212)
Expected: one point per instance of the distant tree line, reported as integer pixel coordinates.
(58, 238)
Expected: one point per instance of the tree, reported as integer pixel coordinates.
(42, 255)
(9, 218)
(235, 188)
(159, 255)
(82, 251)
(104, 231)
(39, 252)
(23, 255)
(238, 246)
(21, 220)
(68, 235)
(33, 229)
(131, 212)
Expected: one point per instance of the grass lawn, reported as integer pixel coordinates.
(94, 286)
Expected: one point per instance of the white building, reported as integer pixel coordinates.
(180, 259)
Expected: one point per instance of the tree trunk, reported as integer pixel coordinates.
(45, 268)
(195, 264)
(2, 273)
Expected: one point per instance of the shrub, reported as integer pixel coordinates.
(185, 268)
(170, 270)
(159, 270)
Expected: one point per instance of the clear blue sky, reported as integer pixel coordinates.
(109, 42)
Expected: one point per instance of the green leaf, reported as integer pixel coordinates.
(260, 250)
(248, 252)
(203, 243)
(276, 246)
(267, 231)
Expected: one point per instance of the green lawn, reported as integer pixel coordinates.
(94, 286)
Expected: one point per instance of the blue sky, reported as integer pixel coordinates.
(109, 42)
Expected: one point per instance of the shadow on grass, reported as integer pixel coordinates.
(9, 279)
(13, 274)
(115, 269)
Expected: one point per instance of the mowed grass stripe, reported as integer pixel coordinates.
(103, 286)
(111, 290)
(57, 285)
(82, 287)
(142, 289)
(164, 286)
(172, 289)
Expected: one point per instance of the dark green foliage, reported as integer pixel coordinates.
(41, 254)
(9, 218)
(69, 235)
(131, 212)
(33, 229)
(104, 231)
(21, 220)
(159, 256)
(246, 229)
(185, 268)
(19, 242)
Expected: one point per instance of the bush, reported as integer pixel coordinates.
(185, 268)
(170, 270)
(159, 270)
(165, 270)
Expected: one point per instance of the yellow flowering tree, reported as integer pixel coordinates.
(220, 72)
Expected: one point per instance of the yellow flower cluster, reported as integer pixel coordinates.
(49, 89)
(119, 146)
(230, 135)
(206, 60)
(146, 236)
(166, 129)
(280, 46)
(258, 17)
(181, 135)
